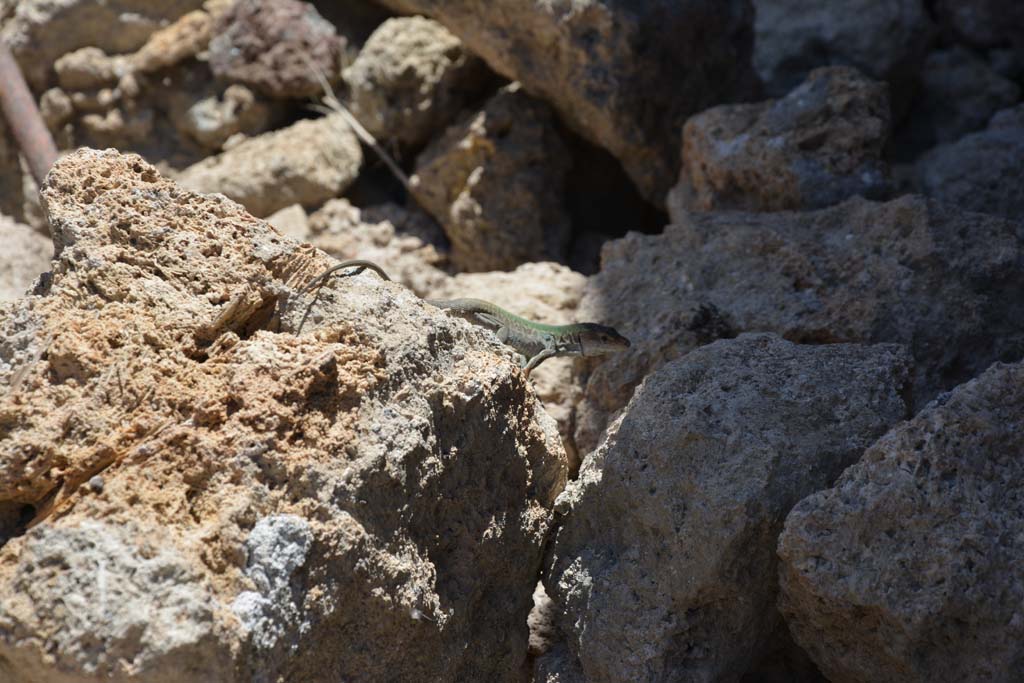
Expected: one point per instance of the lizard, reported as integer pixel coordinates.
(534, 342)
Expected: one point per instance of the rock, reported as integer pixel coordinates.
(389, 236)
(817, 146)
(25, 254)
(625, 74)
(495, 183)
(664, 567)
(12, 194)
(292, 222)
(547, 293)
(959, 94)
(983, 171)
(984, 23)
(887, 41)
(306, 163)
(357, 499)
(212, 120)
(946, 283)
(89, 68)
(275, 47)
(182, 40)
(40, 31)
(410, 80)
(911, 568)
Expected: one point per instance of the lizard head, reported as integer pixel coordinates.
(597, 340)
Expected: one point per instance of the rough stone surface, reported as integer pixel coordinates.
(885, 40)
(40, 31)
(270, 44)
(306, 163)
(88, 68)
(410, 79)
(182, 40)
(218, 497)
(547, 293)
(624, 73)
(912, 567)
(212, 120)
(985, 23)
(947, 283)
(495, 182)
(664, 567)
(402, 242)
(24, 255)
(982, 171)
(817, 146)
(959, 94)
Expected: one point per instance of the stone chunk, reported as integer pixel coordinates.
(410, 79)
(911, 568)
(946, 283)
(885, 40)
(983, 171)
(815, 147)
(495, 183)
(664, 566)
(274, 47)
(230, 479)
(306, 163)
(625, 74)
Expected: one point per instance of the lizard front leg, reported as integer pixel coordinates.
(538, 359)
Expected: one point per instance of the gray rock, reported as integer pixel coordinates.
(984, 23)
(982, 171)
(410, 80)
(959, 94)
(815, 147)
(624, 73)
(104, 601)
(664, 566)
(912, 567)
(306, 163)
(947, 283)
(886, 40)
(495, 181)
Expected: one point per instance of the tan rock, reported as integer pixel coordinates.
(220, 498)
(410, 79)
(24, 256)
(388, 235)
(306, 163)
(495, 183)
(183, 39)
(89, 68)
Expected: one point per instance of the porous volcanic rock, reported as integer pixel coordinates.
(306, 163)
(663, 567)
(230, 480)
(495, 182)
(624, 73)
(410, 80)
(276, 47)
(912, 567)
(815, 147)
(946, 283)
(983, 171)
(885, 40)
